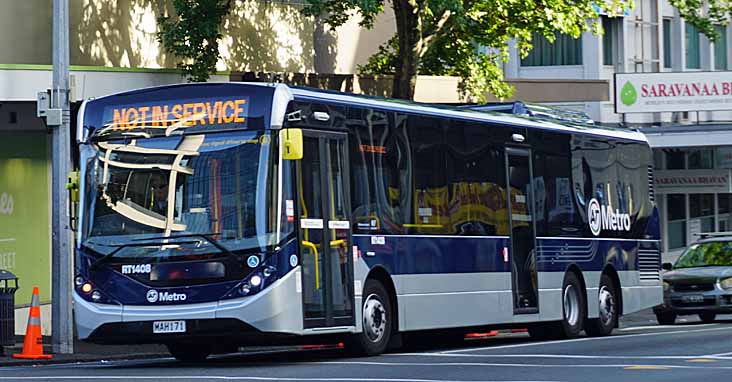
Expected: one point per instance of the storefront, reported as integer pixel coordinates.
(694, 193)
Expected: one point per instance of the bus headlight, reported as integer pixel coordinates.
(726, 284)
(256, 280)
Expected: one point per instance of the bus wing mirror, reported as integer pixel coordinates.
(667, 266)
(291, 141)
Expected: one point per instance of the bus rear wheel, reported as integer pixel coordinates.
(376, 320)
(189, 352)
(607, 318)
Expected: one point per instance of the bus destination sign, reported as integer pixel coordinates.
(190, 114)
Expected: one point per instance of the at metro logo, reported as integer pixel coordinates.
(603, 218)
(171, 297)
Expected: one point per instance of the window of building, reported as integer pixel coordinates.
(609, 40)
(692, 47)
(676, 206)
(566, 50)
(701, 159)
(667, 43)
(720, 48)
(701, 206)
(724, 204)
(675, 160)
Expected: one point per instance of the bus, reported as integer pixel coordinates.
(219, 215)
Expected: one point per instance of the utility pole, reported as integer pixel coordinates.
(62, 332)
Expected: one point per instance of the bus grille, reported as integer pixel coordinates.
(651, 188)
(649, 264)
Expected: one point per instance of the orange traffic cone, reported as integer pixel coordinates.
(33, 345)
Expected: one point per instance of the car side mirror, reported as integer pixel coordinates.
(667, 266)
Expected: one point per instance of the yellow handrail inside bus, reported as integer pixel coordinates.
(338, 243)
(314, 249)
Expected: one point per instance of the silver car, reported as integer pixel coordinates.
(699, 282)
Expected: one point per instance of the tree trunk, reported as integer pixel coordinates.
(409, 35)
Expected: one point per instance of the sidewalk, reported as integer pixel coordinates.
(83, 352)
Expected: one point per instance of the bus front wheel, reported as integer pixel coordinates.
(574, 311)
(376, 320)
(189, 352)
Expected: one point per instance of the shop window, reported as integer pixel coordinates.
(701, 206)
(676, 207)
(724, 202)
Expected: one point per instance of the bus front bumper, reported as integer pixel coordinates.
(276, 310)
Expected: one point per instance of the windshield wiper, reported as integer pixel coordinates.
(163, 241)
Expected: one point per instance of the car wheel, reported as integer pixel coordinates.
(376, 321)
(189, 352)
(707, 317)
(608, 310)
(666, 318)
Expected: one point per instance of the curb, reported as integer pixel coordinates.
(80, 358)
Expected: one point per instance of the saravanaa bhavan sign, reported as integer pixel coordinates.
(665, 92)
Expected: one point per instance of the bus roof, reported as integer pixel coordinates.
(331, 96)
(466, 113)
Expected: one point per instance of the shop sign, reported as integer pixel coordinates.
(693, 181)
(663, 92)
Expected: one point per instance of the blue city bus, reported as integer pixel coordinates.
(219, 215)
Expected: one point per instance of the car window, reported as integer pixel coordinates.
(717, 253)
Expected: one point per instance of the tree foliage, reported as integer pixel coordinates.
(704, 14)
(192, 35)
(450, 37)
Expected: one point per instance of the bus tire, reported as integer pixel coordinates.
(574, 306)
(189, 352)
(607, 318)
(376, 319)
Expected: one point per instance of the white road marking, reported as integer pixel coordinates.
(580, 340)
(494, 364)
(233, 378)
(561, 356)
(658, 327)
(718, 355)
(8, 239)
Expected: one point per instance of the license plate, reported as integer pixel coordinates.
(692, 298)
(169, 326)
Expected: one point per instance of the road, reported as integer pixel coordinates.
(639, 351)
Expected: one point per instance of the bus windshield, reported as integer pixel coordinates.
(221, 185)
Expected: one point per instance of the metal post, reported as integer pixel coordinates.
(62, 333)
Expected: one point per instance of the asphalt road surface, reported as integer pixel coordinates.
(639, 351)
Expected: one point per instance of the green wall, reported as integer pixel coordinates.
(24, 212)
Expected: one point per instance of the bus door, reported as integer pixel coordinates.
(325, 231)
(523, 238)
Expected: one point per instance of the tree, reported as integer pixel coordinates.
(448, 37)
(193, 35)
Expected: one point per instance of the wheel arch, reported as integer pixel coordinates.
(379, 273)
